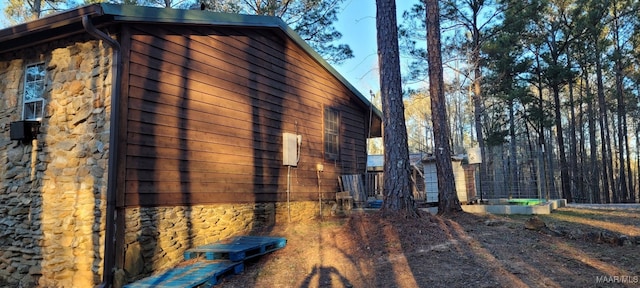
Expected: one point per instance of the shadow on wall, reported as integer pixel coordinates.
(267, 113)
(160, 143)
(21, 225)
(21, 195)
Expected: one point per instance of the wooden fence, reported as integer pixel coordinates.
(362, 186)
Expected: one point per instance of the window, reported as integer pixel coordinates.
(33, 104)
(331, 134)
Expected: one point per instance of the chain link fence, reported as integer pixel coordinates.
(518, 175)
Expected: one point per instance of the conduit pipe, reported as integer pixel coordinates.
(110, 232)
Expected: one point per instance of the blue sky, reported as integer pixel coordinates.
(357, 23)
(3, 21)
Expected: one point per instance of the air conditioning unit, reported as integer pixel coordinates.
(24, 130)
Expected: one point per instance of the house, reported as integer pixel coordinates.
(132, 134)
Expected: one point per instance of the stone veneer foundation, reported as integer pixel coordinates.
(156, 238)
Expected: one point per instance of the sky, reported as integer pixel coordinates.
(357, 23)
(3, 21)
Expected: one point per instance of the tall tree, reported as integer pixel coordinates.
(623, 14)
(558, 35)
(476, 16)
(595, 34)
(20, 11)
(397, 175)
(469, 21)
(506, 72)
(447, 197)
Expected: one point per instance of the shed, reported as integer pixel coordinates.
(133, 133)
(463, 176)
(375, 165)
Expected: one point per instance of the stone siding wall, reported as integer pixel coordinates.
(52, 191)
(156, 238)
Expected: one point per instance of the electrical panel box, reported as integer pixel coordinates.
(290, 149)
(475, 157)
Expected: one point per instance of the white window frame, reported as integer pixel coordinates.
(331, 133)
(33, 92)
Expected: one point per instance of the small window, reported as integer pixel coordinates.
(331, 134)
(33, 104)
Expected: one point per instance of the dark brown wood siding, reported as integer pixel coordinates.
(206, 109)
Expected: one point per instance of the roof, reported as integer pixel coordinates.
(454, 158)
(67, 23)
(377, 160)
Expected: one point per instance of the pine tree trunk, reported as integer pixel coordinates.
(630, 188)
(623, 193)
(594, 175)
(551, 169)
(543, 189)
(513, 168)
(397, 177)
(447, 198)
(573, 146)
(634, 198)
(607, 168)
(564, 168)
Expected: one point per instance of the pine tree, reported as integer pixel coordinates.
(397, 177)
(447, 197)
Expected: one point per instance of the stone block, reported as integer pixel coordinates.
(133, 262)
(18, 211)
(35, 270)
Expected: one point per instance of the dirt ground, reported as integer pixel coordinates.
(575, 248)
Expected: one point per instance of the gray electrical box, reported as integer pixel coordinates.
(290, 149)
(475, 157)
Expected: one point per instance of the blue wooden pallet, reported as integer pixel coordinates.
(375, 204)
(199, 274)
(238, 248)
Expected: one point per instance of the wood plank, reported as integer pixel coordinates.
(198, 103)
(258, 89)
(206, 113)
(233, 96)
(266, 176)
(139, 142)
(299, 182)
(217, 185)
(262, 44)
(191, 155)
(221, 116)
(213, 198)
(230, 165)
(168, 126)
(212, 133)
(221, 69)
(291, 69)
(297, 60)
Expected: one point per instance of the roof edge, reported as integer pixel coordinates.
(50, 21)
